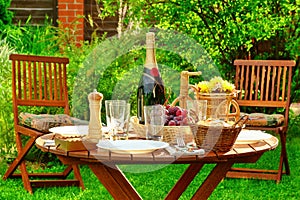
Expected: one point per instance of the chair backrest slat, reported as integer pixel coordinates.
(268, 84)
(29, 80)
(252, 79)
(55, 82)
(257, 79)
(277, 89)
(284, 81)
(274, 74)
(39, 81)
(247, 77)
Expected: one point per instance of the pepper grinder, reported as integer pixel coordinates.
(95, 126)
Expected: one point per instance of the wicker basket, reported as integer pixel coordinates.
(168, 132)
(218, 137)
(219, 105)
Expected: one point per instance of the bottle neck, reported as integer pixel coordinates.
(150, 62)
(150, 58)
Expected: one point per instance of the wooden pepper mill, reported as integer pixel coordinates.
(95, 126)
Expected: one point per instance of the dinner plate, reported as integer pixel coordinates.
(73, 130)
(131, 146)
(251, 137)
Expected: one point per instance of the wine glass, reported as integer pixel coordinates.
(154, 121)
(116, 116)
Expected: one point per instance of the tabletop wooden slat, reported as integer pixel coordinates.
(162, 156)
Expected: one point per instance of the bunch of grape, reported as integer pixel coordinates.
(175, 116)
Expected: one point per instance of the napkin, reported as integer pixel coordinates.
(184, 151)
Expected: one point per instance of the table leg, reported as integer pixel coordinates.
(78, 176)
(184, 181)
(115, 182)
(212, 180)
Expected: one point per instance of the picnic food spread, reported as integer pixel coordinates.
(176, 120)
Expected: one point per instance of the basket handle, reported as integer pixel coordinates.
(243, 119)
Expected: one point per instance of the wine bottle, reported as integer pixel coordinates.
(151, 90)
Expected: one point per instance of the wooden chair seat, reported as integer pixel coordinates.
(39, 82)
(265, 85)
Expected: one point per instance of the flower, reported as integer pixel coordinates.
(215, 85)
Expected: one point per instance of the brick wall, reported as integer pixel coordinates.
(70, 14)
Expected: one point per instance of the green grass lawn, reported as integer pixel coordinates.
(156, 184)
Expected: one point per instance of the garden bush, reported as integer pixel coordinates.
(5, 14)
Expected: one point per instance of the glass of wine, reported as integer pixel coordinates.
(197, 110)
(154, 121)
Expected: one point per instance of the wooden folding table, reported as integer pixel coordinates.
(104, 165)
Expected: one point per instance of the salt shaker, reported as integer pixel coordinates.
(95, 126)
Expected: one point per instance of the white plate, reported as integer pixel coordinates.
(132, 146)
(251, 136)
(73, 130)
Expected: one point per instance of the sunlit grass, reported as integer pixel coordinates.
(156, 184)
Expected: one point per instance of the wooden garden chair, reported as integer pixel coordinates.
(38, 81)
(265, 84)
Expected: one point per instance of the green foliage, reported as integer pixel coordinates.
(5, 14)
(6, 115)
(30, 39)
(37, 40)
(226, 29)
